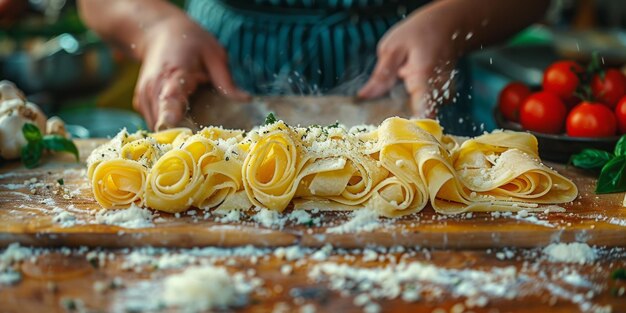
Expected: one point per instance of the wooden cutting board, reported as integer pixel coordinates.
(29, 198)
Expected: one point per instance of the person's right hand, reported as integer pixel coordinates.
(178, 55)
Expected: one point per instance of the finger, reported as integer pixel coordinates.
(217, 67)
(172, 100)
(383, 77)
(142, 103)
(418, 87)
(421, 104)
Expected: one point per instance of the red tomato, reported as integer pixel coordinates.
(620, 114)
(561, 78)
(591, 120)
(610, 89)
(511, 98)
(543, 112)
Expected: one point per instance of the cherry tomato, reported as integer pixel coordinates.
(610, 89)
(591, 119)
(511, 99)
(620, 114)
(561, 78)
(543, 112)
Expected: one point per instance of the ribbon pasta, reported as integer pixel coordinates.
(397, 168)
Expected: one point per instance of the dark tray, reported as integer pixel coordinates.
(559, 148)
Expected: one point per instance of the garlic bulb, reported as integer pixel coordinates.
(15, 111)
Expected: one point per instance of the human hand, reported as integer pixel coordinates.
(178, 55)
(421, 54)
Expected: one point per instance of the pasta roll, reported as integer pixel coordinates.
(221, 174)
(173, 182)
(271, 167)
(397, 142)
(118, 183)
(347, 180)
(337, 169)
(394, 197)
(505, 165)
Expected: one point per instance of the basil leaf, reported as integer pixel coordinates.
(60, 143)
(613, 176)
(591, 159)
(270, 119)
(31, 132)
(31, 154)
(619, 274)
(620, 147)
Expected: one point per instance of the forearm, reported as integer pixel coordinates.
(127, 24)
(471, 24)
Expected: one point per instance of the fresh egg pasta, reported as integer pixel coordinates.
(398, 168)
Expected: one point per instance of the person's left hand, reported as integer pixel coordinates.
(420, 53)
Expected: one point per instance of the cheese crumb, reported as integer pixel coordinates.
(14, 253)
(269, 218)
(286, 269)
(363, 220)
(202, 288)
(574, 252)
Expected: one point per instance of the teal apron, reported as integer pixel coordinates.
(299, 46)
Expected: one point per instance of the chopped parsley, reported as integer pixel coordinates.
(270, 119)
(336, 125)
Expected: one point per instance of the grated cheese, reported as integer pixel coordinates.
(200, 288)
(574, 252)
(133, 217)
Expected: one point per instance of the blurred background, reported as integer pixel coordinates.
(60, 65)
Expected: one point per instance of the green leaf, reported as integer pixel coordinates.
(613, 176)
(60, 143)
(60, 181)
(270, 119)
(31, 154)
(619, 274)
(591, 159)
(620, 147)
(31, 132)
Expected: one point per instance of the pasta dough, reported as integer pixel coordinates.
(397, 168)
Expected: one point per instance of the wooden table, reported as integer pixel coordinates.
(481, 243)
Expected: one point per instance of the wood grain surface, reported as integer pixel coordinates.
(60, 276)
(28, 199)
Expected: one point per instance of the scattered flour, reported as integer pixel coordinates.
(389, 282)
(14, 253)
(300, 217)
(133, 217)
(63, 217)
(363, 220)
(574, 252)
(228, 216)
(149, 257)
